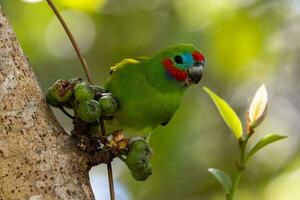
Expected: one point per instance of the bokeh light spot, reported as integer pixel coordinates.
(285, 186)
(91, 5)
(82, 27)
(197, 14)
(32, 1)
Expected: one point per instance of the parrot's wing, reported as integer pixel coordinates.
(127, 62)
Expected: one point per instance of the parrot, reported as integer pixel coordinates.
(148, 90)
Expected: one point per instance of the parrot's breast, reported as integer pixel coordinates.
(144, 110)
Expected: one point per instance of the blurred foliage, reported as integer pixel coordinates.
(246, 43)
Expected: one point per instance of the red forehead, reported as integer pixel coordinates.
(198, 56)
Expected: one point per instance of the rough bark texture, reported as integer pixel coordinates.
(38, 160)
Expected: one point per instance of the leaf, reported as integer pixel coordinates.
(258, 107)
(227, 113)
(268, 139)
(223, 178)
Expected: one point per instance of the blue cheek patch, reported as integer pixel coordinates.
(188, 61)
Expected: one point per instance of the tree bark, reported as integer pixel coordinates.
(38, 160)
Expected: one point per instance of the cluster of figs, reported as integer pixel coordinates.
(89, 103)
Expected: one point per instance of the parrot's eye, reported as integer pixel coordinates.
(178, 59)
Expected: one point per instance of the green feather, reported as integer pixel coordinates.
(146, 96)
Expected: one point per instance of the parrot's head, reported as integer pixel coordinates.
(183, 63)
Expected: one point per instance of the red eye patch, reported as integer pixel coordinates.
(178, 74)
(198, 56)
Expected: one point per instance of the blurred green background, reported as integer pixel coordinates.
(246, 43)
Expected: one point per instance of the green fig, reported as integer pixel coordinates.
(107, 94)
(108, 105)
(60, 91)
(52, 101)
(89, 111)
(97, 88)
(75, 81)
(83, 92)
(98, 91)
(138, 159)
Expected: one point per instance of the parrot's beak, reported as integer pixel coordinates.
(195, 73)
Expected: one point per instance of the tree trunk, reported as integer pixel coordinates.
(38, 160)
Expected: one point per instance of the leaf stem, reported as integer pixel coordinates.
(90, 80)
(234, 185)
(240, 167)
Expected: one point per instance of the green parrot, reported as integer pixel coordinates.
(148, 90)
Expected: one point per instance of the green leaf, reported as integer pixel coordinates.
(268, 139)
(222, 177)
(227, 113)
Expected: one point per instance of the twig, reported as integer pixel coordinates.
(73, 41)
(111, 181)
(90, 80)
(109, 168)
(66, 112)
